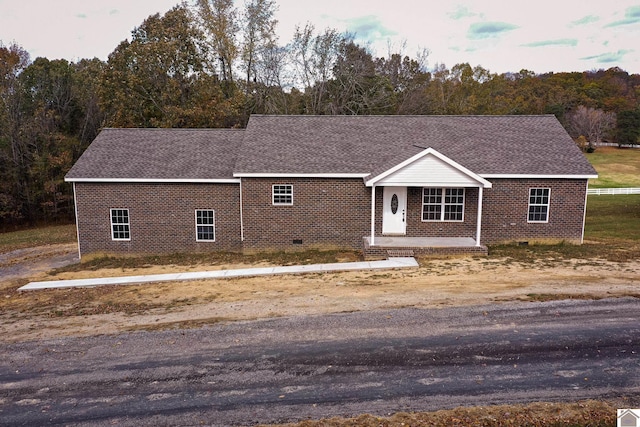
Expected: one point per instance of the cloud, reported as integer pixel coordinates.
(632, 12)
(461, 12)
(589, 19)
(483, 30)
(368, 28)
(557, 42)
(631, 16)
(605, 58)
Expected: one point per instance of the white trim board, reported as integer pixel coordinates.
(236, 179)
(299, 175)
(536, 176)
(156, 180)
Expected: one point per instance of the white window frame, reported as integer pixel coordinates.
(539, 204)
(126, 225)
(280, 192)
(212, 226)
(442, 204)
(437, 205)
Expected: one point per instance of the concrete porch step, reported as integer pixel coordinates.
(392, 247)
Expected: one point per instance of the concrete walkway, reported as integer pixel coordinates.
(400, 262)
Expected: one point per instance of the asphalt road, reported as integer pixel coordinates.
(319, 366)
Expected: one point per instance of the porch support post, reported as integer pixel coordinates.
(479, 224)
(373, 214)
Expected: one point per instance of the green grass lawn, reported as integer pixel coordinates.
(613, 217)
(617, 167)
(612, 232)
(37, 237)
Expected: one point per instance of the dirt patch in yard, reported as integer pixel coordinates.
(28, 262)
(583, 413)
(54, 313)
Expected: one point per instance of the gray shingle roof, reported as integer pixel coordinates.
(159, 154)
(486, 145)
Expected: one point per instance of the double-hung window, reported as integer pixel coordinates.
(282, 194)
(205, 225)
(539, 204)
(431, 204)
(443, 204)
(120, 224)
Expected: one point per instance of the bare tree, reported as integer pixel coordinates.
(408, 77)
(219, 19)
(314, 58)
(592, 123)
(356, 88)
(268, 93)
(259, 37)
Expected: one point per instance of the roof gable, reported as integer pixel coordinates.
(429, 168)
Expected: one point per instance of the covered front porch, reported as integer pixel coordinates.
(426, 205)
(395, 246)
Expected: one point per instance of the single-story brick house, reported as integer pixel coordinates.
(378, 183)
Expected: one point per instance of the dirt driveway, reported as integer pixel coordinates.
(34, 315)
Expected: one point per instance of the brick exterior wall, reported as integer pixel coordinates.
(506, 207)
(162, 217)
(326, 213)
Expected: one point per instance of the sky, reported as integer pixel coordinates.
(499, 35)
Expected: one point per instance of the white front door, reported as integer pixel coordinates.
(394, 209)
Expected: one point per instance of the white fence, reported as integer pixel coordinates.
(613, 144)
(601, 191)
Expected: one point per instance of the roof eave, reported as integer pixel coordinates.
(298, 175)
(157, 180)
(537, 176)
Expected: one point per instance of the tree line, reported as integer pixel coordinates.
(210, 64)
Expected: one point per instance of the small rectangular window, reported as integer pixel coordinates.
(282, 194)
(120, 224)
(443, 204)
(205, 225)
(539, 204)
